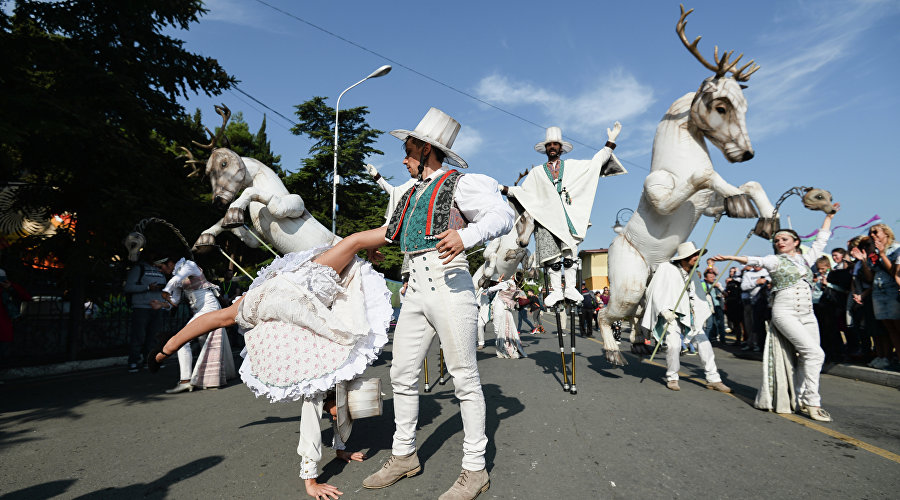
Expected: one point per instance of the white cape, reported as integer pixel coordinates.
(663, 291)
(538, 195)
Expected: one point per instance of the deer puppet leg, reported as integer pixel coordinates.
(667, 192)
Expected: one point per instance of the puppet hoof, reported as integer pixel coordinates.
(740, 206)
(234, 217)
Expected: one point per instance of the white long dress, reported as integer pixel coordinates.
(215, 363)
(508, 343)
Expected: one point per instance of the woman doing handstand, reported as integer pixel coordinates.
(315, 319)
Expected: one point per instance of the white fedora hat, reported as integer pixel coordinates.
(356, 399)
(554, 134)
(438, 129)
(686, 250)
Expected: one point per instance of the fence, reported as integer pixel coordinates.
(42, 331)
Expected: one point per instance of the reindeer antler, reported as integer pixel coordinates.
(521, 176)
(225, 113)
(723, 65)
(191, 161)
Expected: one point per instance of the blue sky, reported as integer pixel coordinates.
(822, 108)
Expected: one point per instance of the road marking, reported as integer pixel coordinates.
(793, 418)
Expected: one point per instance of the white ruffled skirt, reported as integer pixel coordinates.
(309, 328)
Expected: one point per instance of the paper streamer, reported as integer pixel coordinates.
(812, 236)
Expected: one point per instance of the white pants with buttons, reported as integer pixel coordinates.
(440, 298)
(792, 315)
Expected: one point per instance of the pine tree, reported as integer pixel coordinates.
(361, 203)
(88, 96)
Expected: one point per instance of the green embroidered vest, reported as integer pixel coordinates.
(424, 211)
(788, 274)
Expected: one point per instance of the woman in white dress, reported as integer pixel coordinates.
(314, 320)
(215, 364)
(508, 343)
(794, 328)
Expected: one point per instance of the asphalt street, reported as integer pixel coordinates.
(111, 434)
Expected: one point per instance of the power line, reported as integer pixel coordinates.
(423, 75)
(239, 98)
(257, 101)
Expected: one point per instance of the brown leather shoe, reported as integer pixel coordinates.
(718, 386)
(468, 485)
(393, 470)
(673, 385)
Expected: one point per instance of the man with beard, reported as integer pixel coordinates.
(559, 195)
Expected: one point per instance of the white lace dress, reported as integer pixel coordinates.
(309, 328)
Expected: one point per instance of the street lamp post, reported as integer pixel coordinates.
(375, 74)
(618, 227)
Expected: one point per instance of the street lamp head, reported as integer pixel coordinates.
(380, 71)
(618, 227)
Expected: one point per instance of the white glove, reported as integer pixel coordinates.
(669, 315)
(371, 170)
(612, 133)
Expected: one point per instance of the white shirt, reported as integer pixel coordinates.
(478, 198)
(801, 260)
(183, 270)
(749, 287)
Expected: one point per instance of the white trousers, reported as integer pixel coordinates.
(310, 445)
(792, 315)
(484, 313)
(704, 349)
(440, 298)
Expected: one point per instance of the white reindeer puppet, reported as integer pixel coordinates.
(682, 184)
(503, 255)
(277, 215)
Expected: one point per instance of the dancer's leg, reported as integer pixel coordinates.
(338, 256)
(203, 324)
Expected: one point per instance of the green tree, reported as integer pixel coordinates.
(361, 203)
(257, 146)
(88, 95)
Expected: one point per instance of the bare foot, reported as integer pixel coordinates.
(346, 456)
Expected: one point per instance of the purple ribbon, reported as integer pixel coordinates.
(811, 236)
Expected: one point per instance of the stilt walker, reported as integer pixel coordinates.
(559, 196)
(559, 333)
(441, 378)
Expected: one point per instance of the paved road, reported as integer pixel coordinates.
(111, 434)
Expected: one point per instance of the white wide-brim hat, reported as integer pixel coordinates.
(685, 251)
(554, 134)
(438, 129)
(356, 399)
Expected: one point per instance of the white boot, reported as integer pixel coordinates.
(572, 291)
(556, 291)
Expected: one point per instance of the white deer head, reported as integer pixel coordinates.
(719, 108)
(227, 172)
